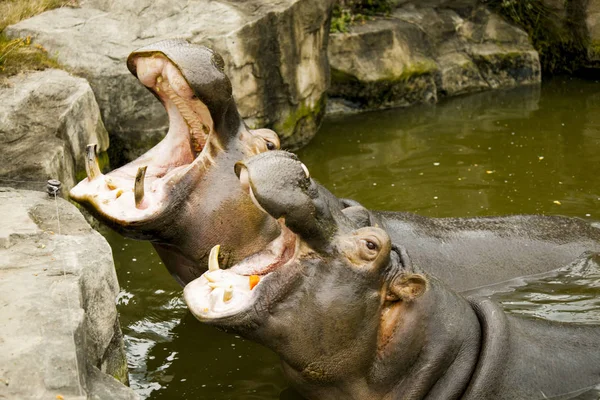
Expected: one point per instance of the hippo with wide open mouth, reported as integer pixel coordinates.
(352, 317)
(183, 194)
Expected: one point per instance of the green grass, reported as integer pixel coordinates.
(349, 12)
(19, 55)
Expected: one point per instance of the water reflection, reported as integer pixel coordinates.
(529, 150)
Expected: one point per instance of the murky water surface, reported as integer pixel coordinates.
(531, 150)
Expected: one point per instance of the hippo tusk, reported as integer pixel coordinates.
(305, 170)
(213, 258)
(138, 188)
(91, 162)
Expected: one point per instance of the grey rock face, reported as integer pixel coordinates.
(275, 54)
(57, 303)
(425, 51)
(593, 28)
(46, 120)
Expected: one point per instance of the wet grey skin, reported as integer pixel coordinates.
(183, 194)
(465, 253)
(352, 317)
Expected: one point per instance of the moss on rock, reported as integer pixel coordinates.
(416, 84)
(303, 118)
(348, 12)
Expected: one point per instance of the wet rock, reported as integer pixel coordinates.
(378, 66)
(57, 303)
(425, 51)
(275, 55)
(593, 29)
(46, 120)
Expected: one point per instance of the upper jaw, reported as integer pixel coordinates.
(139, 192)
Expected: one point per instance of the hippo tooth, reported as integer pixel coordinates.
(159, 79)
(91, 162)
(138, 188)
(228, 294)
(213, 258)
(210, 277)
(110, 183)
(215, 296)
(305, 170)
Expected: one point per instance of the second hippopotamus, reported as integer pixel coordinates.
(353, 317)
(465, 253)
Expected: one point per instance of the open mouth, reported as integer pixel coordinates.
(222, 293)
(138, 190)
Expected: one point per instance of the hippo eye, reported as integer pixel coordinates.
(271, 145)
(369, 249)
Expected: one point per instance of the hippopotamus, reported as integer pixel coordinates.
(352, 316)
(465, 253)
(183, 194)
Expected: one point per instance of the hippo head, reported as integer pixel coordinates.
(183, 194)
(327, 296)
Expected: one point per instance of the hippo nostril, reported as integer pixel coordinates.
(238, 168)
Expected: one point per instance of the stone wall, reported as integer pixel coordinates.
(46, 120)
(60, 331)
(424, 51)
(275, 54)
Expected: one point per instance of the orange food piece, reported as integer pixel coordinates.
(254, 279)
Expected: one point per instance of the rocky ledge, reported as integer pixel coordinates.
(60, 336)
(275, 54)
(46, 120)
(425, 51)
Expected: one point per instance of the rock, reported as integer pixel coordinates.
(377, 65)
(275, 54)
(46, 120)
(57, 302)
(420, 54)
(592, 23)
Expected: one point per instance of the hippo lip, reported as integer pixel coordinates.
(138, 191)
(220, 294)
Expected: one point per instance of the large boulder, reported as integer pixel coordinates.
(275, 55)
(60, 331)
(46, 120)
(425, 51)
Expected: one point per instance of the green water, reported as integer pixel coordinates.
(530, 150)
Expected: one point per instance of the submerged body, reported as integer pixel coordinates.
(352, 318)
(471, 252)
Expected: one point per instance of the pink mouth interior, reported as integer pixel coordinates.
(277, 253)
(187, 142)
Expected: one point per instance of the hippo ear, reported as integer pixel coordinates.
(407, 287)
